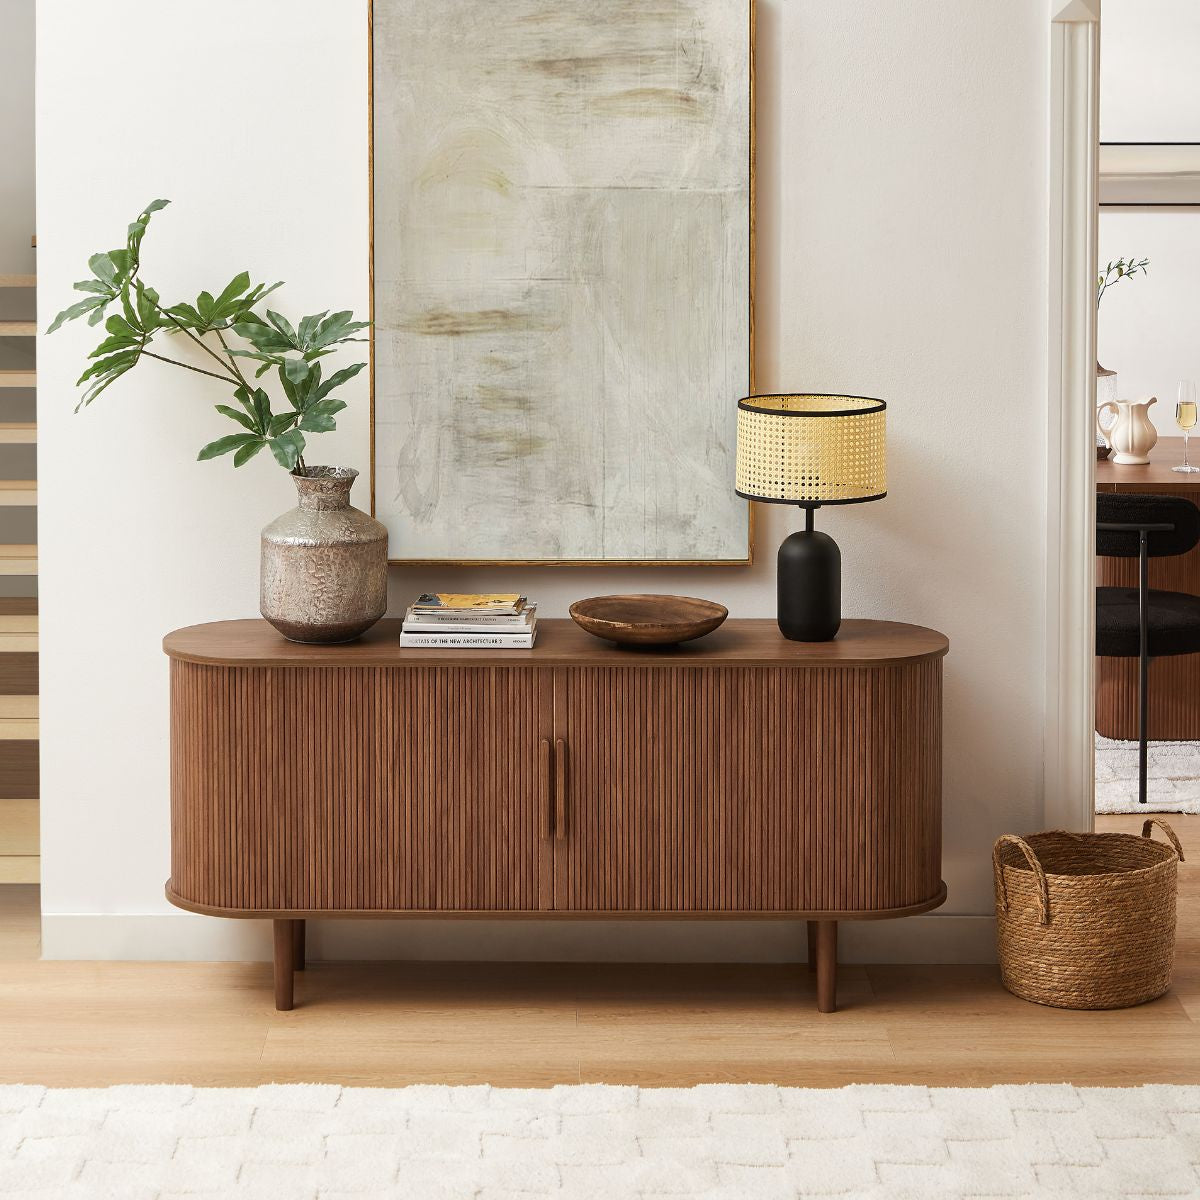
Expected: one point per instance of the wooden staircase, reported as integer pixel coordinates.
(19, 779)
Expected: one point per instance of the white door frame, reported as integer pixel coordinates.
(1069, 750)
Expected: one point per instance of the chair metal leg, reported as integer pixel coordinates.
(1143, 657)
(1143, 722)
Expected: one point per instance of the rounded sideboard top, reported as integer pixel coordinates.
(561, 643)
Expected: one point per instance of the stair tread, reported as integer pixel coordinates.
(19, 826)
(15, 378)
(18, 606)
(19, 868)
(18, 432)
(18, 281)
(18, 493)
(18, 560)
(18, 328)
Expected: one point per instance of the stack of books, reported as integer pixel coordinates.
(447, 619)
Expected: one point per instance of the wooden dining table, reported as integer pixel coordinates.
(1174, 681)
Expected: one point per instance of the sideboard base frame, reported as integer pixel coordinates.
(549, 914)
(289, 930)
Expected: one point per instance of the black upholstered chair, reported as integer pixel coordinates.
(1142, 622)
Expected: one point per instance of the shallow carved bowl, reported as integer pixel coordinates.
(648, 620)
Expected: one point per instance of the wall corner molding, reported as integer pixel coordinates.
(1069, 739)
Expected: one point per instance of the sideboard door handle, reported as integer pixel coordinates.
(560, 789)
(543, 790)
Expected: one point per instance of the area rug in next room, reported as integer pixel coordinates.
(601, 1143)
(1172, 777)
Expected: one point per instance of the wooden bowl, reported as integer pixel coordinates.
(648, 620)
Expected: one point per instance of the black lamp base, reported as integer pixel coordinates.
(810, 586)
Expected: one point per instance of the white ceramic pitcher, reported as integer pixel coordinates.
(1132, 435)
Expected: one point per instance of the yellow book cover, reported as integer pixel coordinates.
(493, 601)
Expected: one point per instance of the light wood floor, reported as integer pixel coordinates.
(88, 1024)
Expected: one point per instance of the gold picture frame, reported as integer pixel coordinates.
(751, 523)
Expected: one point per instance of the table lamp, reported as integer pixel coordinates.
(811, 450)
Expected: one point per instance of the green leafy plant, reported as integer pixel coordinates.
(1114, 272)
(232, 335)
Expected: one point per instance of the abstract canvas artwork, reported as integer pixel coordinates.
(562, 198)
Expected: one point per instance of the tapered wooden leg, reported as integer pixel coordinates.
(298, 958)
(285, 963)
(811, 927)
(826, 966)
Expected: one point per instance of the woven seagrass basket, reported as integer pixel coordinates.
(1086, 920)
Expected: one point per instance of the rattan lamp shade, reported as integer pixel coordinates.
(811, 449)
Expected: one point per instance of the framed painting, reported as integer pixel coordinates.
(562, 200)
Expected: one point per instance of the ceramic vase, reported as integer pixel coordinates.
(324, 563)
(1106, 391)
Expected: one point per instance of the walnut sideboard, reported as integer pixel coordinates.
(739, 776)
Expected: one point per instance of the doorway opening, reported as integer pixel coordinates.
(1124, 248)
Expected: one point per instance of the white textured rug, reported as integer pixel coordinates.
(600, 1143)
(1172, 777)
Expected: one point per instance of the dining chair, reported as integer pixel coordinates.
(1144, 622)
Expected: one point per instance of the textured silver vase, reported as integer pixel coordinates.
(324, 563)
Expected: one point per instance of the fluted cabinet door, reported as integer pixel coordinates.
(749, 789)
(374, 789)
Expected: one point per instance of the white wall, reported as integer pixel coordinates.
(1148, 63)
(1149, 329)
(16, 136)
(901, 251)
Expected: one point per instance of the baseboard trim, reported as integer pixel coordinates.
(183, 937)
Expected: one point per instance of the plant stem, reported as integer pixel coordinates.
(188, 367)
(199, 342)
(233, 362)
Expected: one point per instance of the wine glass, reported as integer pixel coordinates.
(1185, 417)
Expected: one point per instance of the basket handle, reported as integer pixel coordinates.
(1152, 821)
(1026, 849)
